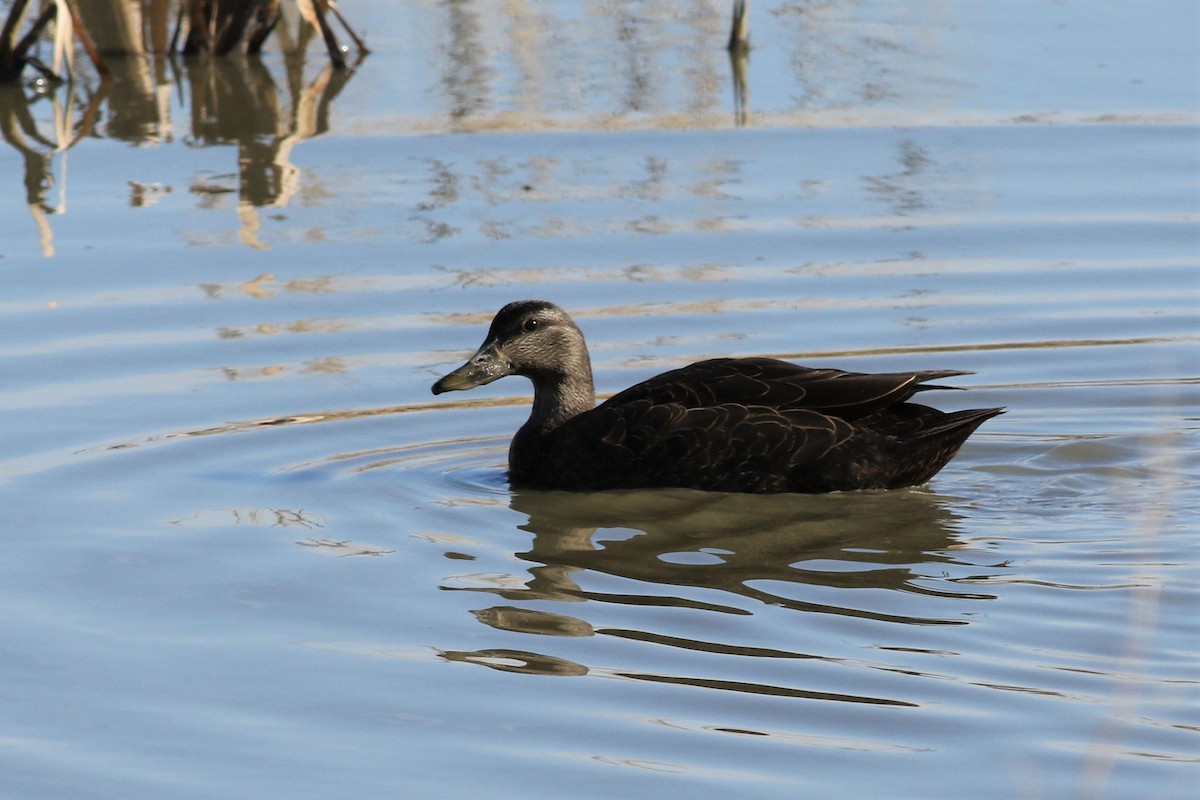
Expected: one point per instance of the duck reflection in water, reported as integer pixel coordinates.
(684, 549)
(735, 543)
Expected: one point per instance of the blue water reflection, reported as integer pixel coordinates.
(247, 555)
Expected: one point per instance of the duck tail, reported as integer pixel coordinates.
(938, 374)
(958, 425)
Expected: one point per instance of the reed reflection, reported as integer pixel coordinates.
(739, 61)
(235, 101)
(73, 118)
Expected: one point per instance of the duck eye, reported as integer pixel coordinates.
(530, 324)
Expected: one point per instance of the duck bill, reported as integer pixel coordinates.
(488, 364)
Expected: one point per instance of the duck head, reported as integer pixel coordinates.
(533, 338)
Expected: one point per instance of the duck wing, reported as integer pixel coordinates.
(723, 447)
(782, 385)
(731, 447)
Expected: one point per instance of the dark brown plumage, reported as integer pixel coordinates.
(727, 424)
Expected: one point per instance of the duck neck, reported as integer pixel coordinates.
(560, 396)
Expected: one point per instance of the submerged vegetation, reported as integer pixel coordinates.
(219, 27)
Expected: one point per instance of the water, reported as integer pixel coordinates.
(248, 554)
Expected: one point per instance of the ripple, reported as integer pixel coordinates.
(470, 464)
(764, 689)
(788, 736)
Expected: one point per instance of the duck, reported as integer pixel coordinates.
(747, 425)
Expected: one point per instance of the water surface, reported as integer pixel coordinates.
(249, 554)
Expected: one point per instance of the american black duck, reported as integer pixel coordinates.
(726, 424)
